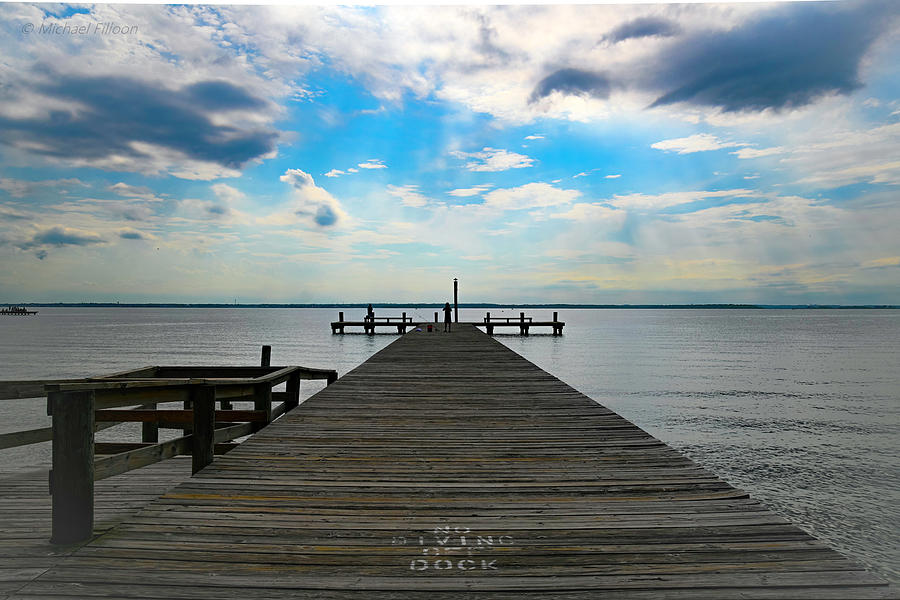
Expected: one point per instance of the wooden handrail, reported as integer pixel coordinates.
(79, 407)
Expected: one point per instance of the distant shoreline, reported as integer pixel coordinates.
(441, 304)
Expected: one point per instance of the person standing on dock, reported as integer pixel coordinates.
(447, 312)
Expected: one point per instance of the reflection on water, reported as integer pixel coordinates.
(799, 408)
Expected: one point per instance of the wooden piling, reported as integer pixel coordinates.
(262, 400)
(292, 387)
(203, 399)
(72, 476)
(150, 429)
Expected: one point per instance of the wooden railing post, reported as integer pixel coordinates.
(265, 359)
(150, 430)
(262, 400)
(72, 476)
(293, 392)
(435, 318)
(203, 399)
(187, 429)
(523, 329)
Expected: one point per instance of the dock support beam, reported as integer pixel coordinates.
(293, 392)
(72, 476)
(150, 429)
(523, 328)
(262, 400)
(455, 300)
(203, 399)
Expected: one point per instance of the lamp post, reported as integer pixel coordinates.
(455, 300)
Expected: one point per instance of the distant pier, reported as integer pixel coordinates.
(523, 323)
(17, 311)
(444, 467)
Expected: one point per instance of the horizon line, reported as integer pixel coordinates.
(707, 305)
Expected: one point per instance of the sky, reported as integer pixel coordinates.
(631, 153)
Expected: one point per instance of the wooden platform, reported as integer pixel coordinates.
(25, 549)
(448, 467)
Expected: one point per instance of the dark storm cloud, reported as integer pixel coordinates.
(114, 112)
(221, 95)
(643, 27)
(572, 82)
(787, 59)
(132, 235)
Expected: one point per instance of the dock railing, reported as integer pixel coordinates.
(370, 323)
(80, 407)
(522, 322)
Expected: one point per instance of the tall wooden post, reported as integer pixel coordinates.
(203, 399)
(523, 329)
(187, 429)
(262, 400)
(556, 330)
(72, 476)
(265, 359)
(293, 392)
(455, 300)
(435, 317)
(150, 429)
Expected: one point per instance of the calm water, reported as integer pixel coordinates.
(800, 408)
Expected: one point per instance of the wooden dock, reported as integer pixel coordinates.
(523, 323)
(447, 467)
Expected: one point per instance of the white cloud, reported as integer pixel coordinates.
(530, 195)
(372, 163)
(758, 153)
(227, 193)
(616, 176)
(592, 212)
(335, 173)
(409, 195)
(701, 142)
(494, 159)
(472, 191)
(311, 201)
(658, 201)
(134, 191)
(19, 188)
(534, 137)
(478, 257)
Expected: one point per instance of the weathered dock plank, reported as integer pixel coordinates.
(25, 549)
(447, 466)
